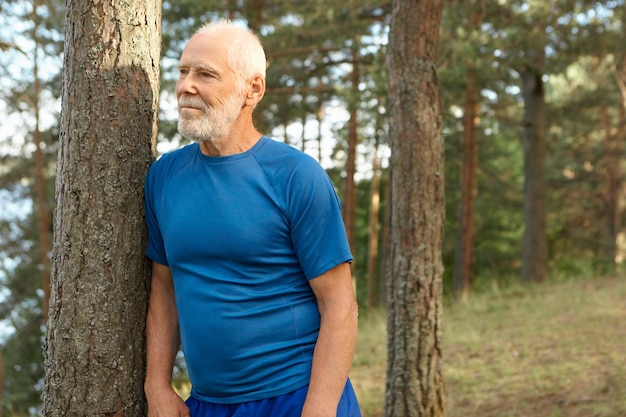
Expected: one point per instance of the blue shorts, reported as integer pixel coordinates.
(287, 405)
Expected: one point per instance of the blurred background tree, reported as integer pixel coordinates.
(30, 74)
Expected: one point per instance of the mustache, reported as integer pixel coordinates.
(190, 102)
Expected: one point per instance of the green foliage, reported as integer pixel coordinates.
(485, 41)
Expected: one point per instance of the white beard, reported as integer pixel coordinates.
(213, 123)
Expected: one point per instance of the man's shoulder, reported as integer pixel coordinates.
(181, 154)
(288, 166)
(282, 153)
(175, 158)
(170, 164)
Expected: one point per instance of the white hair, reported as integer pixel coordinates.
(246, 56)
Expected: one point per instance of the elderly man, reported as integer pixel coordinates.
(250, 257)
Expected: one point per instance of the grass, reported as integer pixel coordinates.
(550, 350)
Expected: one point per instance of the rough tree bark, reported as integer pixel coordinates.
(414, 280)
(94, 353)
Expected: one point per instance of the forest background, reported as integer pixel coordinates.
(327, 96)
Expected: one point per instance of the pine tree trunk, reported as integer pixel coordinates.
(40, 178)
(414, 375)
(94, 354)
(613, 150)
(319, 115)
(534, 244)
(463, 257)
(464, 253)
(372, 250)
(385, 237)
(349, 198)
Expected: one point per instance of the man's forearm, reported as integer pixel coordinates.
(332, 360)
(162, 338)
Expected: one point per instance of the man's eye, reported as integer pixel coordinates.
(183, 71)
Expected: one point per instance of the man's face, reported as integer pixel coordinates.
(209, 96)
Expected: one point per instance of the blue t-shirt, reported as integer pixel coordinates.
(242, 235)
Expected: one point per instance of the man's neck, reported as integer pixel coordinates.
(238, 140)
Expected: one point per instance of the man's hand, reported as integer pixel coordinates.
(166, 403)
(162, 344)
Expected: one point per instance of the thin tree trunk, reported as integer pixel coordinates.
(320, 117)
(303, 136)
(464, 255)
(255, 14)
(95, 354)
(372, 253)
(463, 259)
(349, 203)
(385, 236)
(286, 134)
(613, 149)
(414, 370)
(534, 245)
(40, 177)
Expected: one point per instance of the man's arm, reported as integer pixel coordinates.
(334, 350)
(163, 340)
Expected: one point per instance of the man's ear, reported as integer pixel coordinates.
(256, 90)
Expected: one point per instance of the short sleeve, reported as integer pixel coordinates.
(156, 246)
(318, 232)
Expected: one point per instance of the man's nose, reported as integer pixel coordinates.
(185, 85)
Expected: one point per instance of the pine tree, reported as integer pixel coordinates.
(414, 277)
(94, 354)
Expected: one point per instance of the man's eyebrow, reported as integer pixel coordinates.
(206, 68)
(199, 68)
